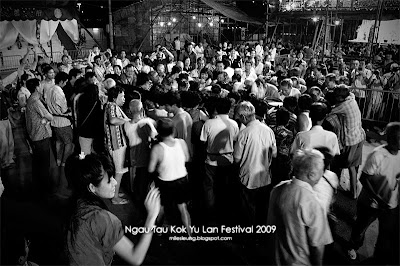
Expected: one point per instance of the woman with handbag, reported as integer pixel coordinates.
(89, 119)
(114, 119)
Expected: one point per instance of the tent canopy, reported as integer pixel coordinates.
(36, 25)
(228, 9)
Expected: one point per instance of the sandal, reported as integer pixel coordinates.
(120, 202)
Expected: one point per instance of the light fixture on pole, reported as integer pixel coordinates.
(162, 24)
(315, 19)
(199, 25)
(337, 22)
(173, 19)
(222, 20)
(194, 17)
(211, 24)
(169, 23)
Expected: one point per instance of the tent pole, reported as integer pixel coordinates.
(110, 27)
(51, 50)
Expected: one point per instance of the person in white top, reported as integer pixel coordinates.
(199, 50)
(286, 89)
(260, 49)
(317, 136)
(249, 72)
(123, 62)
(273, 51)
(140, 131)
(258, 66)
(167, 159)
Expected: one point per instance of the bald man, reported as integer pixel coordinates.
(140, 132)
(302, 228)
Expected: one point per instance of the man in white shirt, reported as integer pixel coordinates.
(61, 125)
(302, 228)
(199, 50)
(123, 61)
(140, 131)
(317, 136)
(219, 133)
(258, 66)
(248, 72)
(286, 89)
(254, 150)
(260, 49)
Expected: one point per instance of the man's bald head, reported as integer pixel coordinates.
(135, 106)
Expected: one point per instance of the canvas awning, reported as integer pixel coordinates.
(388, 32)
(228, 9)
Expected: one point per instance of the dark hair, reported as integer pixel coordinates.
(114, 92)
(318, 111)
(223, 106)
(80, 173)
(47, 69)
(89, 75)
(328, 157)
(305, 102)
(32, 84)
(64, 56)
(172, 98)
(282, 117)
(206, 71)
(142, 78)
(216, 89)
(24, 77)
(176, 70)
(61, 76)
(117, 66)
(330, 98)
(290, 103)
(165, 127)
(236, 77)
(73, 73)
(96, 57)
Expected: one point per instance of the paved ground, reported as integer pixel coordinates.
(43, 222)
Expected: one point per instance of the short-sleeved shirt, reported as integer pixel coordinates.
(114, 134)
(57, 105)
(353, 131)
(284, 140)
(35, 113)
(300, 221)
(139, 135)
(92, 235)
(253, 150)
(219, 133)
(183, 128)
(386, 168)
(314, 138)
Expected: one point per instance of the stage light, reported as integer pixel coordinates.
(162, 24)
(211, 24)
(222, 20)
(337, 22)
(173, 19)
(315, 19)
(169, 23)
(194, 17)
(199, 25)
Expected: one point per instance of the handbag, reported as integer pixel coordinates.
(380, 186)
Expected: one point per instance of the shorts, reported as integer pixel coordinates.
(64, 134)
(351, 156)
(119, 160)
(173, 192)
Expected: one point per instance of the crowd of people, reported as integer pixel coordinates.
(250, 134)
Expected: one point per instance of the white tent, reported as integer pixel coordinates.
(388, 32)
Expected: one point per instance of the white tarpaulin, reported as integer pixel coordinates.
(27, 28)
(388, 31)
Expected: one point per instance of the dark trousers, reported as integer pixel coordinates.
(254, 205)
(140, 182)
(41, 166)
(386, 249)
(217, 186)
